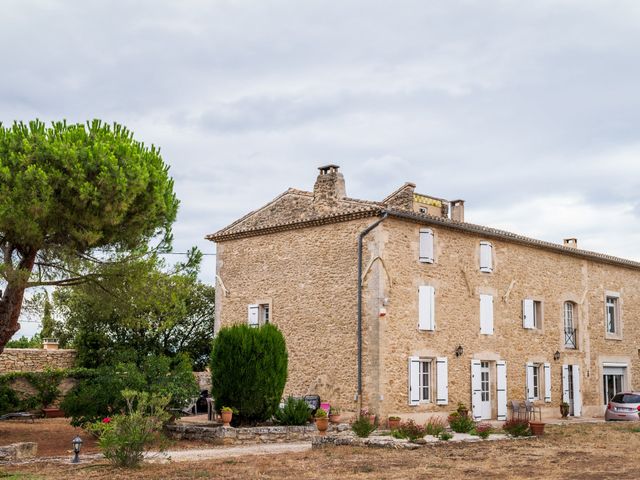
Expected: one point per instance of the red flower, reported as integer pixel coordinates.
(106, 420)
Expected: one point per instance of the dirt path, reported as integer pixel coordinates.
(239, 451)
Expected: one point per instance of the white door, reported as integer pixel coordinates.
(485, 391)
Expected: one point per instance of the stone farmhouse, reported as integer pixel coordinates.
(402, 307)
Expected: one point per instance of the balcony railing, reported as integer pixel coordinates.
(570, 338)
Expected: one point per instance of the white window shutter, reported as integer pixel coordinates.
(426, 308)
(414, 380)
(501, 388)
(530, 395)
(252, 319)
(426, 245)
(486, 314)
(528, 315)
(476, 387)
(442, 378)
(547, 382)
(577, 393)
(565, 383)
(486, 257)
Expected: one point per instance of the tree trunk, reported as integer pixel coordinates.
(11, 302)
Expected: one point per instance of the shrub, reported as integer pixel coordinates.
(362, 427)
(410, 430)
(294, 412)
(446, 436)
(483, 430)
(517, 428)
(9, 401)
(95, 398)
(435, 426)
(321, 413)
(461, 423)
(249, 370)
(124, 438)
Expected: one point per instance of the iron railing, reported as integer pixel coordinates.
(570, 338)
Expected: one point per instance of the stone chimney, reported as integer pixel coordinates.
(329, 188)
(571, 242)
(457, 210)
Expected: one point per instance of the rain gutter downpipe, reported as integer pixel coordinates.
(360, 238)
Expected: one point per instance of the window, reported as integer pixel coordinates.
(426, 308)
(539, 381)
(425, 380)
(569, 330)
(486, 314)
(614, 379)
(428, 380)
(612, 314)
(531, 314)
(259, 314)
(486, 257)
(426, 245)
(535, 371)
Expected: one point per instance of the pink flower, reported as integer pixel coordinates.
(106, 420)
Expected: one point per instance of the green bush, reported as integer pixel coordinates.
(249, 370)
(294, 412)
(461, 423)
(446, 436)
(517, 428)
(124, 438)
(9, 401)
(99, 396)
(362, 427)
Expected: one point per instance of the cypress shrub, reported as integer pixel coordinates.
(249, 370)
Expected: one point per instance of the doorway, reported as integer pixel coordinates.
(485, 391)
(613, 380)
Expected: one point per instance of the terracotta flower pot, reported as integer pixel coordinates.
(226, 418)
(537, 428)
(334, 418)
(322, 424)
(372, 419)
(393, 424)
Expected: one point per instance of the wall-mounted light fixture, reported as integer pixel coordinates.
(556, 356)
(459, 351)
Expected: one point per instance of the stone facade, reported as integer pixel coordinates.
(306, 272)
(35, 359)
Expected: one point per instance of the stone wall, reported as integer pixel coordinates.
(35, 359)
(219, 435)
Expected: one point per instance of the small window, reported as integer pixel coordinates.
(426, 245)
(531, 314)
(486, 257)
(612, 315)
(259, 314)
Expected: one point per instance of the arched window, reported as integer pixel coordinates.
(569, 325)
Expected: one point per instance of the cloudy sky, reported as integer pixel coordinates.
(529, 111)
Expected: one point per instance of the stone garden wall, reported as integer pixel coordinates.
(35, 359)
(219, 435)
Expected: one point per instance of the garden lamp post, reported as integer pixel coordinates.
(77, 444)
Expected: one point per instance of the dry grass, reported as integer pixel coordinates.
(595, 451)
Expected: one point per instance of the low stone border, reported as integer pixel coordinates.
(18, 451)
(219, 435)
(387, 441)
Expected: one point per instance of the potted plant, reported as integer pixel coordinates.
(227, 414)
(537, 428)
(322, 421)
(564, 409)
(394, 423)
(364, 413)
(462, 410)
(334, 415)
